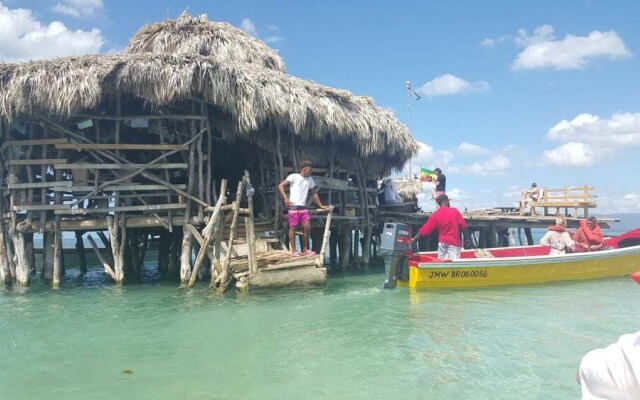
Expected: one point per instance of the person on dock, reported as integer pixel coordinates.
(441, 183)
(558, 238)
(300, 184)
(388, 193)
(449, 223)
(589, 236)
(529, 196)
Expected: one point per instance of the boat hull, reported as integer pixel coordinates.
(522, 270)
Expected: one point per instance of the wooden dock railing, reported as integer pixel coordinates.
(577, 198)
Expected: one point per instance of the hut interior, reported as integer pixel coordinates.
(181, 141)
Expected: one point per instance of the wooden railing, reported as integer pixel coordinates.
(577, 198)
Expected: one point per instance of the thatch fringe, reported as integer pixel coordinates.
(255, 99)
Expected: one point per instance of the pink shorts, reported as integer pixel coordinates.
(298, 217)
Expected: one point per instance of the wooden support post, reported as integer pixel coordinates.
(118, 235)
(174, 256)
(200, 167)
(355, 248)
(225, 276)
(345, 245)
(43, 177)
(46, 269)
(333, 245)
(164, 251)
(529, 236)
(210, 232)
(22, 267)
(5, 271)
(493, 235)
(185, 257)
(57, 254)
(325, 239)
(82, 259)
(107, 268)
(249, 227)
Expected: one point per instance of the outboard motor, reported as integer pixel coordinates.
(395, 248)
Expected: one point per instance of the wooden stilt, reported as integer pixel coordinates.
(174, 256)
(325, 239)
(226, 275)
(20, 256)
(82, 259)
(5, 271)
(57, 254)
(250, 229)
(345, 245)
(333, 245)
(210, 232)
(107, 268)
(185, 257)
(355, 247)
(164, 251)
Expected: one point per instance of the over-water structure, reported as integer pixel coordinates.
(142, 144)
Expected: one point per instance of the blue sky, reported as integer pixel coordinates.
(512, 91)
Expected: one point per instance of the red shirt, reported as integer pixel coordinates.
(448, 221)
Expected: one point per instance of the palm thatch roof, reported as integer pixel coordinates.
(198, 35)
(251, 100)
(408, 188)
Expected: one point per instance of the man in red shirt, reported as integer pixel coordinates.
(448, 222)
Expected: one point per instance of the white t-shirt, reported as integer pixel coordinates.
(612, 372)
(299, 188)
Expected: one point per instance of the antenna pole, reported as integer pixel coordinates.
(410, 129)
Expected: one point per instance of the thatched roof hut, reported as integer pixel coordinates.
(247, 92)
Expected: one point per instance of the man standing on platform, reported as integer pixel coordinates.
(449, 223)
(296, 202)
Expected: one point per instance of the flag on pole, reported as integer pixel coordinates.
(415, 95)
(413, 92)
(427, 174)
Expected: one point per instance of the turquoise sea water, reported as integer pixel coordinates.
(348, 340)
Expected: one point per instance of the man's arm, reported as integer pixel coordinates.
(426, 229)
(316, 198)
(281, 187)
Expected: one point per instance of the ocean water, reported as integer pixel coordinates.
(348, 340)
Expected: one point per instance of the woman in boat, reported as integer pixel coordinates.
(558, 238)
(589, 236)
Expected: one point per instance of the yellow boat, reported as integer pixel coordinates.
(515, 266)
(502, 266)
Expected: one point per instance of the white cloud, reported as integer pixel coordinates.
(448, 84)
(589, 139)
(273, 39)
(497, 165)
(248, 26)
(79, 8)
(23, 38)
(541, 50)
(490, 42)
(472, 149)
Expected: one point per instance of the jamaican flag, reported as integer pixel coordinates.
(427, 174)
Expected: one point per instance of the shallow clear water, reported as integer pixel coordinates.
(348, 340)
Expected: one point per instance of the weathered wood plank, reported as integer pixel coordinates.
(35, 185)
(40, 207)
(150, 207)
(116, 146)
(35, 142)
(121, 166)
(47, 161)
(116, 188)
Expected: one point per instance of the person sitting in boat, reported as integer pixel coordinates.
(388, 193)
(449, 223)
(589, 236)
(558, 238)
(528, 197)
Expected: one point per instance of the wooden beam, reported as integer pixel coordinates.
(121, 166)
(41, 207)
(116, 146)
(35, 185)
(47, 161)
(150, 207)
(35, 142)
(115, 188)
